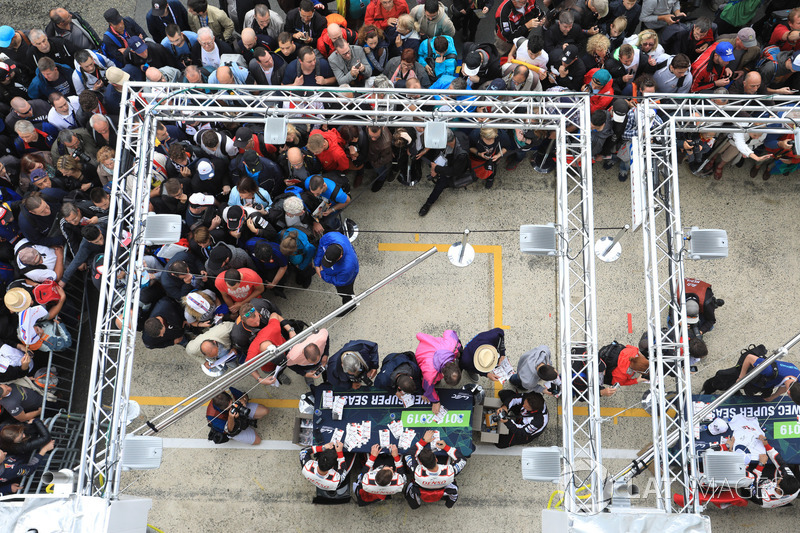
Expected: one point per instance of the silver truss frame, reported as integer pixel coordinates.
(144, 104)
(673, 455)
(583, 468)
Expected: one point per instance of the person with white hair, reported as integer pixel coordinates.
(354, 365)
(208, 50)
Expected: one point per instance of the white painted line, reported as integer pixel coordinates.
(480, 449)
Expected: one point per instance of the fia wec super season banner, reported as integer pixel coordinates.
(381, 408)
(779, 419)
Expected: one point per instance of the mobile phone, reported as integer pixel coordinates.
(319, 370)
(616, 386)
(358, 64)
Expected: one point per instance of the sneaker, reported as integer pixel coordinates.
(608, 164)
(740, 164)
(489, 183)
(719, 301)
(512, 163)
(424, 209)
(693, 369)
(473, 376)
(283, 379)
(377, 185)
(622, 176)
(350, 229)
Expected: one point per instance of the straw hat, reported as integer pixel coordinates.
(17, 300)
(485, 359)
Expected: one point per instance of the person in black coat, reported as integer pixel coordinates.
(266, 68)
(143, 55)
(305, 24)
(164, 13)
(400, 374)
(23, 439)
(197, 51)
(457, 155)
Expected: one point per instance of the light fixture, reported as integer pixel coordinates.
(541, 464)
(435, 135)
(142, 453)
(797, 141)
(63, 481)
(725, 469)
(538, 239)
(161, 229)
(275, 130)
(707, 243)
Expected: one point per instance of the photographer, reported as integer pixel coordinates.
(231, 415)
(525, 416)
(356, 364)
(78, 143)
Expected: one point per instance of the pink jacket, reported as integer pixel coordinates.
(432, 354)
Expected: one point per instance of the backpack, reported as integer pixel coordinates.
(769, 54)
(767, 25)
(107, 52)
(609, 355)
(726, 378)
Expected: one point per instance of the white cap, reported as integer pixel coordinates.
(199, 198)
(718, 427)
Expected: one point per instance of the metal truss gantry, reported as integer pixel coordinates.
(145, 104)
(672, 455)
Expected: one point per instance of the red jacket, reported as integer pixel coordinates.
(599, 100)
(334, 158)
(623, 373)
(325, 44)
(376, 15)
(705, 71)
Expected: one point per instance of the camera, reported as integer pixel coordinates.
(81, 156)
(240, 410)
(554, 389)
(365, 380)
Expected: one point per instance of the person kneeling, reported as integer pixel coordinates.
(526, 417)
(431, 481)
(231, 415)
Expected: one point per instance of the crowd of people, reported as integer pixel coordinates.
(258, 214)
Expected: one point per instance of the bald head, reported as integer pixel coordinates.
(334, 31)
(294, 155)
(153, 74)
(752, 82)
(19, 104)
(225, 75)
(249, 38)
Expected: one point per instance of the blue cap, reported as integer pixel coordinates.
(6, 34)
(725, 51)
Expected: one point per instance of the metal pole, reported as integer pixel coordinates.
(272, 353)
(617, 237)
(640, 463)
(463, 245)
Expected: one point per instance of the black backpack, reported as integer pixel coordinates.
(609, 354)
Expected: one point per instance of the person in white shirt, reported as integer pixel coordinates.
(39, 263)
(63, 113)
(209, 54)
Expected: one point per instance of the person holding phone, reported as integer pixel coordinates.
(309, 358)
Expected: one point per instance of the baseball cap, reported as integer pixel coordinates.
(718, 427)
(498, 84)
(197, 303)
(217, 256)
(795, 66)
(201, 199)
(725, 51)
(112, 16)
(570, 53)
(205, 169)
(234, 217)
(692, 312)
(38, 174)
(243, 136)
(748, 37)
(137, 45)
(6, 34)
(5, 71)
(332, 254)
(252, 161)
(602, 76)
(117, 76)
(159, 8)
(472, 64)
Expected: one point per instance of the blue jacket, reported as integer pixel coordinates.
(50, 134)
(345, 270)
(495, 337)
(446, 67)
(305, 250)
(337, 377)
(40, 87)
(383, 380)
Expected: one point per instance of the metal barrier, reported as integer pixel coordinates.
(65, 428)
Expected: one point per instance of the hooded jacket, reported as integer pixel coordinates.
(428, 54)
(440, 25)
(432, 354)
(345, 270)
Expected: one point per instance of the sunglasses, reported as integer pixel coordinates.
(249, 312)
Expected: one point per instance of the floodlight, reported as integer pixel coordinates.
(275, 130)
(725, 469)
(161, 229)
(538, 239)
(63, 481)
(707, 243)
(541, 464)
(435, 135)
(141, 453)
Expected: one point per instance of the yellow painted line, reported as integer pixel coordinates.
(172, 400)
(495, 250)
(416, 237)
(615, 412)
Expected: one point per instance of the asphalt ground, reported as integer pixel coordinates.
(210, 488)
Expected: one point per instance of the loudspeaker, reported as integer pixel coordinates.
(541, 464)
(537, 239)
(435, 135)
(707, 243)
(275, 130)
(161, 229)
